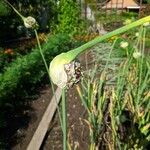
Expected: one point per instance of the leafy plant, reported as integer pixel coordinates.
(4, 10)
(109, 107)
(68, 18)
(119, 113)
(24, 71)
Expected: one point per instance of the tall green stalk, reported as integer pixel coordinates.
(46, 67)
(16, 11)
(64, 119)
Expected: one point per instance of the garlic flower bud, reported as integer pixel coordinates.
(124, 44)
(137, 55)
(63, 72)
(127, 21)
(146, 24)
(137, 34)
(30, 22)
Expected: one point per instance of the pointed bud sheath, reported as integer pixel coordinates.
(30, 22)
(63, 71)
(124, 44)
(57, 71)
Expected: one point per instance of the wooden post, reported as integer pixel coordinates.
(80, 5)
(85, 9)
(96, 10)
(106, 7)
(140, 8)
(111, 6)
(122, 5)
(116, 5)
(100, 7)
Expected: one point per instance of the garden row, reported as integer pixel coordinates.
(26, 71)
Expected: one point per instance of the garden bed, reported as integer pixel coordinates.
(78, 126)
(23, 81)
(24, 122)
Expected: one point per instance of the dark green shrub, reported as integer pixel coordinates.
(26, 71)
(4, 10)
(7, 55)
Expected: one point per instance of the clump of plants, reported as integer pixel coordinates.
(99, 98)
(118, 113)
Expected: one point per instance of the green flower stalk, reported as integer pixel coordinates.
(29, 22)
(57, 67)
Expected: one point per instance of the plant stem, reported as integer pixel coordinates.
(46, 66)
(64, 119)
(39, 45)
(75, 52)
(22, 17)
(43, 58)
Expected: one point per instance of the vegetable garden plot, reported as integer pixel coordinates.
(101, 132)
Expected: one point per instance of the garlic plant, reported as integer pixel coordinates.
(124, 44)
(57, 69)
(29, 22)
